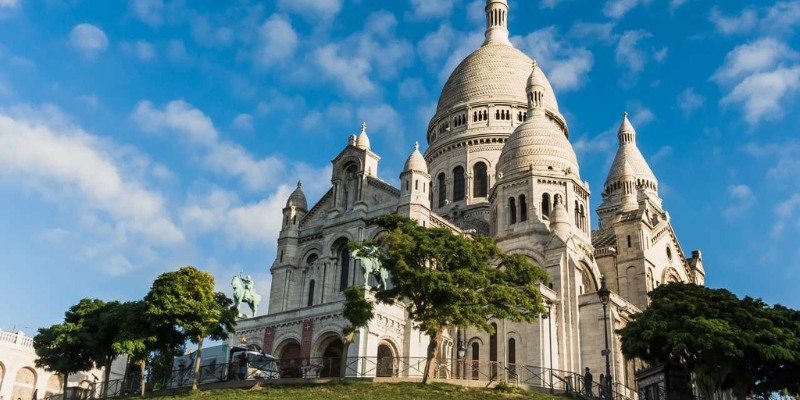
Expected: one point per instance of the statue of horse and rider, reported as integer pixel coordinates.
(243, 292)
(371, 265)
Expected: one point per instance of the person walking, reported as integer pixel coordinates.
(587, 382)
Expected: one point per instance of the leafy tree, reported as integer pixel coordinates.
(100, 324)
(725, 342)
(60, 348)
(186, 300)
(357, 311)
(447, 279)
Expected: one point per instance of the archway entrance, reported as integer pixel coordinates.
(290, 358)
(332, 359)
(385, 360)
(54, 385)
(24, 384)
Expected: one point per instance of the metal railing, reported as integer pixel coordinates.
(453, 370)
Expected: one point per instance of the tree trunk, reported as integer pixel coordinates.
(142, 366)
(64, 386)
(433, 353)
(106, 376)
(197, 360)
(345, 349)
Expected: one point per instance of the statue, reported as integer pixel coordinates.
(371, 265)
(243, 292)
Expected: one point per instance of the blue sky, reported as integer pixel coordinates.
(140, 136)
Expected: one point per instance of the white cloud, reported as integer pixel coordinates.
(435, 45)
(205, 34)
(630, 55)
(567, 67)
(148, 11)
(9, 3)
(459, 50)
(93, 178)
(606, 140)
(374, 53)
(315, 10)
(476, 14)
(761, 74)
(618, 8)
(760, 94)
(88, 39)
(382, 119)
(690, 101)
(412, 88)
(278, 40)
(593, 31)
(144, 50)
(742, 199)
(549, 3)
(784, 155)
(757, 56)
(662, 153)
(675, 4)
(243, 122)
(180, 117)
(426, 9)
(785, 212)
(781, 18)
(176, 52)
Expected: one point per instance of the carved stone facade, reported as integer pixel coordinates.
(499, 162)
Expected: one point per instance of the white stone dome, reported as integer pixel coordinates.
(537, 142)
(415, 161)
(297, 199)
(495, 72)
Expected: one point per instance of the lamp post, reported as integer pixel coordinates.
(605, 296)
(461, 352)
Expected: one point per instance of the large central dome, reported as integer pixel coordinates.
(496, 72)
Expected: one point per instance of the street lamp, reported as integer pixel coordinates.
(461, 352)
(605, 296)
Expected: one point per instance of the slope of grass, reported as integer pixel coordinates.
(365, 391)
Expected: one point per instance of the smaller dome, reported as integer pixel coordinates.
(297, 199)
(537, 79)
(415, 161)
(362, 142)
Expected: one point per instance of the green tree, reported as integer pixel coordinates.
(358, 312)
(60, 348)
(725, 342)
(100, 324)
(446, 279)
(186, 300)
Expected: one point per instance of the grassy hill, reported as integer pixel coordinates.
(365, 391)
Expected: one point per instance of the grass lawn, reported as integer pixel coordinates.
(363, 390)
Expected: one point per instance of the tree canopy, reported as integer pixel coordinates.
(186, 300)
(724, 341)
(446, 279)
(60, 348)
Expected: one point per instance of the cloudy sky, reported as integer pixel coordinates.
(140, 136)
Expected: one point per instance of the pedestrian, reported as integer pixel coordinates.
(242, 366)
(602, 386)
(587, 382)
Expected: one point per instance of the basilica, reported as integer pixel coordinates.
(498, 162)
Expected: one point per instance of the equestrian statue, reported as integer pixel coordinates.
(371, 265)
(243, 292)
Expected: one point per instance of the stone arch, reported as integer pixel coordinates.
(24, 383)
(340, 252)
(590, 277)
(55, 385)
(387, 358)
(2, 375)
(328, 354)
(537, 259)
(290, 357)
(313, 250)
(670, 275)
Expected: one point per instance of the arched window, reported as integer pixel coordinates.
(493, 351)
(497, 114)
(344, 265)
(523, 208)
(583, 218)
(546, 205)
(485, 114)
(441, 183)
(629, 240)
(476, 359)
(512, 211)
(310, 293)
(577, 215)
(459, 187)
(512, 357)
(480, 180)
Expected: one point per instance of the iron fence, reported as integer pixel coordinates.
(454, 370)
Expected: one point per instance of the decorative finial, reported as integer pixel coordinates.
(534, 64)
(416, 146)
(363, 126)
(624, 114)
(299, 184)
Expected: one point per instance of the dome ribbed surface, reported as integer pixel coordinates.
(538, 142)
(297, 199)
(629, 152)
(495, 72)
